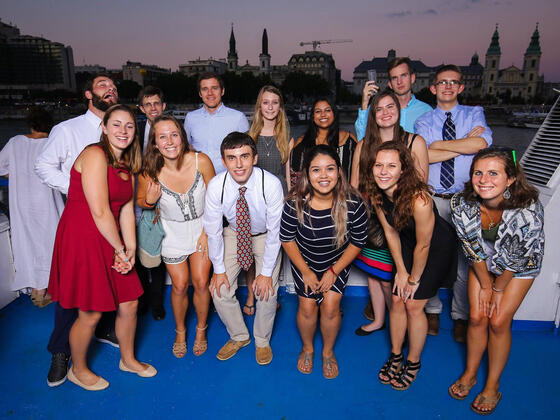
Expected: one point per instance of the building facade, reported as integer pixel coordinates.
(143, 74)
(513, 81)
(30, 62)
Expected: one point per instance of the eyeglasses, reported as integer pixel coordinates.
(452, 83)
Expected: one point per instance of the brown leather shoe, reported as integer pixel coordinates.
(460, 330)
(231, 348)
(263, 355)
(433, 324)
(368, 311)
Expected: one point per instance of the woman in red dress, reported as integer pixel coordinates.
(93, 259)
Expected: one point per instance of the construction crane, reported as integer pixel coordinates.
(327, 41)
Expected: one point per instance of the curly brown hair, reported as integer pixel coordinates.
(409, 185)
(523, 194)
(153, 160)
(372, 138)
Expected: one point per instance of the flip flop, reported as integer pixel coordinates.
(461, 388)
(330, 367)
(250, 310)
(307, 362)
(492, 402)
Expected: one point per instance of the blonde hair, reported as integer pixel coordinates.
(281, 127)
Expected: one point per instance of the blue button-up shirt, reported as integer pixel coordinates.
(413, 110)
(430, 127)
(206, 131)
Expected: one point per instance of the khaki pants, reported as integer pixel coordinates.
(228, 307)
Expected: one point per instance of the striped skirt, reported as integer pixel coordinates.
(376, 263)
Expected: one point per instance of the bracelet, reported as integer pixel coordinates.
(412, 283)
(497, 290)
(331, 269)
(149, 204)
(120, 251)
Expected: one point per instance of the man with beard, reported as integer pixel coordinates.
(66, 141)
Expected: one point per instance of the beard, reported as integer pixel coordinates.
(99, 103)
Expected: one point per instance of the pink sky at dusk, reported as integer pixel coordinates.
(171, 32)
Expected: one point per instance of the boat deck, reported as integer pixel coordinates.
(205, 388)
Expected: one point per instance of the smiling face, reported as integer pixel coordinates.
(152, 107)
(239, 163)
(103, 93)
(489, 180)
(323, 115)
(387, 170)
(119, 131)
(211, 93)
(386, 112)
(323, 174)
(400, 79)
(446, 95)
(270, 106)
(168, 139)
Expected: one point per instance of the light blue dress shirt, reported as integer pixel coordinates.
(413, 110)
(430, 127)
(206, 131)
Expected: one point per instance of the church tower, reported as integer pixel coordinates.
(264, 56)
(232, 53)
(531, 63)
(491, 65)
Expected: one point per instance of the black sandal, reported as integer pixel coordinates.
(391, 368)
(408, 375)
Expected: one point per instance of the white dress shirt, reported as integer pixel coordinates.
(66, 141)
(265, 216)
(206, 131)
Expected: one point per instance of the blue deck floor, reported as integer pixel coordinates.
(205, 388)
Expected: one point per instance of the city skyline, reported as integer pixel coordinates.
(171, 32)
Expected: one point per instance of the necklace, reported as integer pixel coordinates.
(491, 224)
(267, 143)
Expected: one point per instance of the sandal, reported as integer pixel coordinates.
(460, 391)
(249, 310)
(492, 403)
(408, 375)
(180, 349)
(200, 346)
(307, 362)
(330, 367)
(391, 368)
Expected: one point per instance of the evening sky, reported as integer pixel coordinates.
(171, 32)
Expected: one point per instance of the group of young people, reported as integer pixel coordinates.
(230, 195)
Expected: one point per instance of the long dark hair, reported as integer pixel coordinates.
(303, 192)
(310, 136)
(131, 158)
(153, 160)
(522, 193)
(409, 185)
(372, 138)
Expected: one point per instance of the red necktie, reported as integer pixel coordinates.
(244, 243)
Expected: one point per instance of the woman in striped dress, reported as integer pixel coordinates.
(324, 226)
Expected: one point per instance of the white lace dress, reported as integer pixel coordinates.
(181, 218)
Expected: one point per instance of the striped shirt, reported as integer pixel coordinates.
(315, 239)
